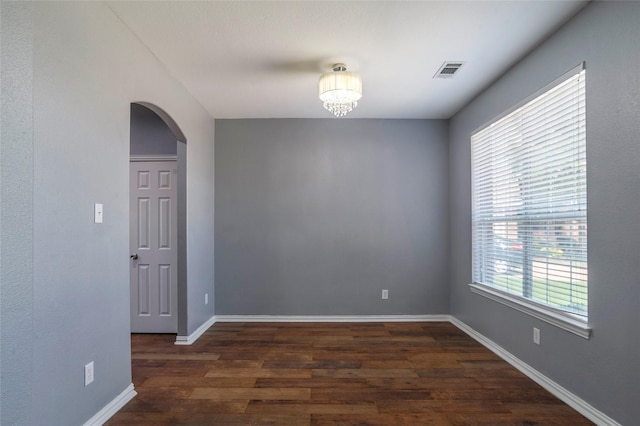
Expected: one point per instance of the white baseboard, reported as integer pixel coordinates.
(566, 396)
(331, 318)
(113, 407)
(190, 339)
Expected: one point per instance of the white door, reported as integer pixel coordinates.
(153, 242)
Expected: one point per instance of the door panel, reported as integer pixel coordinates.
(142, 285)
(143, 223)
(153, 234)
(164, 223)
(164, 272)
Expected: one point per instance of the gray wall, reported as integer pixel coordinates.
(16, 215)
(67, 85)
(316, 217)
(603, 370)
(150, 135)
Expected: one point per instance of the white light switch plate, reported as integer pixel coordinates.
(97, 216)
(88, 374)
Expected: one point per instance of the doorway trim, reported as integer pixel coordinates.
(181, 159)
(152, 158)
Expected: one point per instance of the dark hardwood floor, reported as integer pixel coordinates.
(332, 374)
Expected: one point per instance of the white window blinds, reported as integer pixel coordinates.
(530, 200)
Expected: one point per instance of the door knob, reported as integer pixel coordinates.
(134, 256)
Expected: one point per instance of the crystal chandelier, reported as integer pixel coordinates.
(340, 90)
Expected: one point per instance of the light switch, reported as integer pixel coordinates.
(97, 217)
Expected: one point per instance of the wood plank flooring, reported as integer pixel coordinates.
(332, 374)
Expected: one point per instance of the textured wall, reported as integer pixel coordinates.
(602, 370)
(16, 214)
(316, 217)
(69, 74)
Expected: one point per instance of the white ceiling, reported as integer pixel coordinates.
(262, 59)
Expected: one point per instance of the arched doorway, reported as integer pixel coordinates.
(157, 221)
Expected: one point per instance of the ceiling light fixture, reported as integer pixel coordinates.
(340, 90)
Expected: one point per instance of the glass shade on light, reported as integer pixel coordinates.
(340, 91)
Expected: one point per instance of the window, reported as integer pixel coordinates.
(530, 202)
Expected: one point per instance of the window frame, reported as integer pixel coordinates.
(573, 322)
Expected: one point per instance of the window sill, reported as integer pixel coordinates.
(566, 321)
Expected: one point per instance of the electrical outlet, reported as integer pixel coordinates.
(385, 294)
(206, 298)
(536, 336)
(88, 374)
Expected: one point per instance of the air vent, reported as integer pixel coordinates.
(448, 69)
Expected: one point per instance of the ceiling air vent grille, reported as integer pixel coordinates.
(448, 69)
